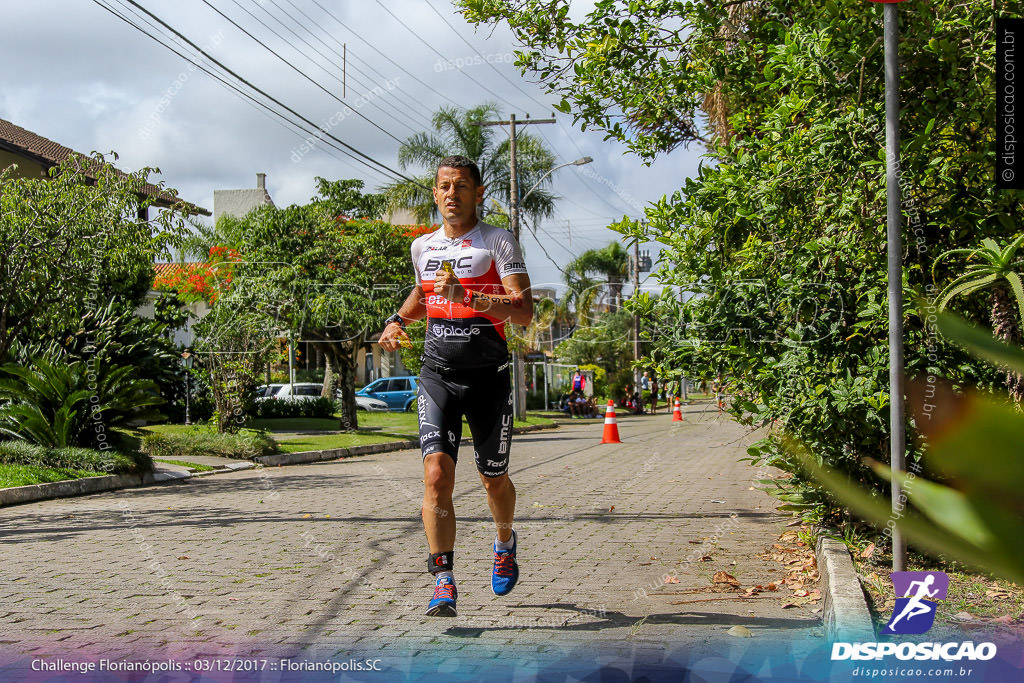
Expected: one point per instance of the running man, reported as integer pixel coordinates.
(470, 280)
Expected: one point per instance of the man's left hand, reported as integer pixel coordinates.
(447, 285)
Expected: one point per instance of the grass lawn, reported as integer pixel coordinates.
(983, 597)
(23, 475)
(181, 463)
(374, 428)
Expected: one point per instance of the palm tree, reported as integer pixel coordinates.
(591, 271)
(995, 267)
(456, 134)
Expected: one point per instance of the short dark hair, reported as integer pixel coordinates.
(459, 161)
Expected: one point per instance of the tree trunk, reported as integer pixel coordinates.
(1006, 328)
(345, 360)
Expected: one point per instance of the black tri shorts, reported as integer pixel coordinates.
(484, 396)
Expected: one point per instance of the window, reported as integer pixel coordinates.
(399, 385)
(308, 391)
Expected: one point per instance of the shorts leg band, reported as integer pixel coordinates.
(440, 562)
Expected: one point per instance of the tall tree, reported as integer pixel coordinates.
(324, 277)
(454, 133)
(781, 233)
(72, 242)
(593, 275)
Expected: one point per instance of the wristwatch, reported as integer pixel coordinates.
(396, 318)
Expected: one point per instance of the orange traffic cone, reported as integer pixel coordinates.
(677, 412)
(611, 427)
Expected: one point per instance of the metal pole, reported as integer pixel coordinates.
(518, 374)
(895, 253)
(636, 318)
(188, 416)
(546, 406)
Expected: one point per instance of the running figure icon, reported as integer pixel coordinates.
(919, 591)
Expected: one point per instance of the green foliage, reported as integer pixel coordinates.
(778, 244)
(988, 266)
(606, 345)
(113, 334)
(72, 458)
(489, 148)
(970, 508)
(72, 242)
(315, 273)
(201, 441)
(59, 404)
(313, 407)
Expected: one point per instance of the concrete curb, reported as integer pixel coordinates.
(845, 612)
(82, 487)
(303, 457)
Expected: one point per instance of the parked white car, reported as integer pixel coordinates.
(300, 391)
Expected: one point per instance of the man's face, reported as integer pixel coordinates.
(456, 194)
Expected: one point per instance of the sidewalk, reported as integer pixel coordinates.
(327, 559)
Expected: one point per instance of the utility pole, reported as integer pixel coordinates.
(519, 388)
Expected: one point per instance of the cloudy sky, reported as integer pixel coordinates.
(82, 77)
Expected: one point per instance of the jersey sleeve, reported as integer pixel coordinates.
(508, 257)
(417, 250)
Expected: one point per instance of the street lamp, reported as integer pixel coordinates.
(187, 359)
(578, 162)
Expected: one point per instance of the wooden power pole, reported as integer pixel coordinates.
(519, 388)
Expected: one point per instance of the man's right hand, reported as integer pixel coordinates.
(392, 337)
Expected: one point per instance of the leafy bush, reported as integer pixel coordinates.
(314, 407)
(243, 445)
(72, 458)
(57, 404)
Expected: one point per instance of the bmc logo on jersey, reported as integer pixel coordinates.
(513, 265)
(433, 264)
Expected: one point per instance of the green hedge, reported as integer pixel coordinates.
(71, 458)
(314, 407)
(244, 445)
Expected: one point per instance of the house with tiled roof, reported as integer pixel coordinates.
(35, 155)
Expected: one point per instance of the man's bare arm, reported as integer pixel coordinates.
(515, 305)
(413, 308)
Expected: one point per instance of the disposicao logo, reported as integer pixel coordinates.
(914, 614)
(915, 611)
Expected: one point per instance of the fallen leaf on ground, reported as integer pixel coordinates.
(740, 632)
(611, 509)
(644, 564)
(704, 558)
(869, 551)
(697, 542)
(184, 557)
(996, 594)
(671, 579)
(771, 587)
(725, 577)
(304, 516)
(801, 593)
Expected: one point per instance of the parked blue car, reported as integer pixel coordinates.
(398, 392)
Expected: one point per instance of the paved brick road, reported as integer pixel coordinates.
(328, 559)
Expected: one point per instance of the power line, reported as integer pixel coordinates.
(432, 49)
(293, 67)
(473, 48)
(270, 97)
(368, 84)
(249, 99)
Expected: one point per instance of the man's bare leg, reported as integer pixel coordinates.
(501, 498)
(438, 511)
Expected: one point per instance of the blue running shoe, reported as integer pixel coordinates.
(506, 571)
(445, 594)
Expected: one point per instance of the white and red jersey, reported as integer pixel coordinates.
(458, 336)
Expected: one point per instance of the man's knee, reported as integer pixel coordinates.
(497, 484)
(439, 473)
